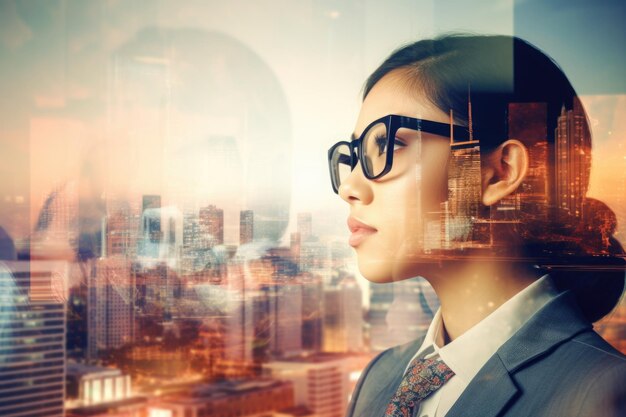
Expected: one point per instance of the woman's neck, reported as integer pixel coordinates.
(470, 292)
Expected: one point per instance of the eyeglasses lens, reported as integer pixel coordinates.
(341, 164)
(375, 147)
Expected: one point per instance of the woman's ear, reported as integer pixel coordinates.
(503, 170)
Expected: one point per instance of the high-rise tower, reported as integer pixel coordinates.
(462, 210)
(212, 223)
(246, 226)
(572, 160)
(32, 338)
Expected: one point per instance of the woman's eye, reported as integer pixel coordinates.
(381, 144)
(398, 144)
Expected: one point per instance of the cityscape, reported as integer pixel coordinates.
(169, 321)
(158, 317)
(552, 193)
(170, 245)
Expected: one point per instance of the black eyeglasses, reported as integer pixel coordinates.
(372, 148)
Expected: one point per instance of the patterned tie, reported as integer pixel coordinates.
(423, 377)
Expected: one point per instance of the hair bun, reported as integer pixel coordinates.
(597, 226)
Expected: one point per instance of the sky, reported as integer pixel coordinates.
(65, 111)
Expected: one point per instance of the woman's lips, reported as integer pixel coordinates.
(359, 231)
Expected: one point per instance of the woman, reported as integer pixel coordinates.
(469, 166)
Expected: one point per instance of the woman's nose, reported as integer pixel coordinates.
(356, 188)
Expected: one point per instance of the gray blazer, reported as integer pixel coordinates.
(556, 365)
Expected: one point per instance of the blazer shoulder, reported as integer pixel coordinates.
(587, 359)
(594, 345)
(605, 393)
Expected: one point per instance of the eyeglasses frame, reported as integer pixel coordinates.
(392, 122)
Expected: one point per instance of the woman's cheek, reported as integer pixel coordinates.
(409, 217)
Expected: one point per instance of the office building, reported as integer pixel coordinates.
(312, 312)
(295, 245)
(119, 230)
(91, 385)
(343, 316)
(321, 381)
(573, 159)
(285, 318)
(212, 224)
(464, 194)
(314, 256)
(246, 226)
(152, 224)
(111, 302)
(32, 338)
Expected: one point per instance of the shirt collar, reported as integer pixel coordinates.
(466, 354)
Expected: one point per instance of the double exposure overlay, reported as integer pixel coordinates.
(170, 245)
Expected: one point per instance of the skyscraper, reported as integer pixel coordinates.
(312, 325)
(351, 295)
(462, 209)
(285, 315)
(149, 242)
(343, 317)
(573, 158)
(464, 193)
(212, 224)
(246, 226)
(119, 234)
(152, 224)
(111, 293)
(295, 246)
(193, 247)
(314, 256)
(32, 338)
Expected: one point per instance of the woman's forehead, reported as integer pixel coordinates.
(393, 95)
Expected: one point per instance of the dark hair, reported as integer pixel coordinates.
(498, 72)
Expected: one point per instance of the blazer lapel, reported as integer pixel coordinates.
(494, 385)
(399, 359)
(383, 383)
(490, 390)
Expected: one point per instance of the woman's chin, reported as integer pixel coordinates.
(384, 270)
(374, 270)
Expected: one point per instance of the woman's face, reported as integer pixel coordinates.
(395, 208)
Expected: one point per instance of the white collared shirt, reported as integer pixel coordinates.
(467, 354)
